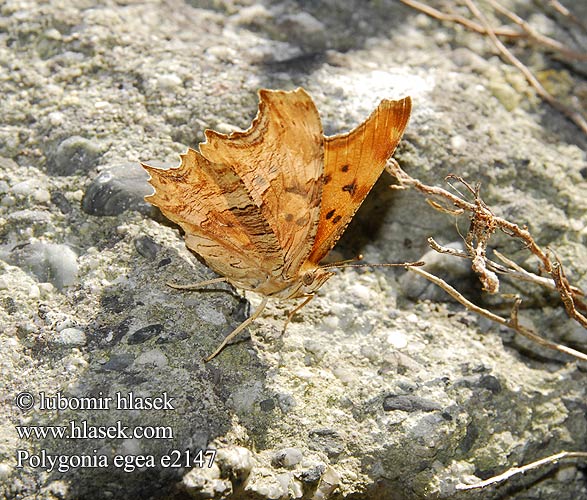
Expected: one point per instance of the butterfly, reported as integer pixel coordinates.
(263, 207)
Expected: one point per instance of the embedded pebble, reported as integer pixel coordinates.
(205, 482)
(50, 262)
(397, 339)
(154, 357)
(313, 474)
(237, 460)
(169, 81)
(304, 30)
(70, 337)
(118, 362)
(287, 457)
(360, 291)
(61, 202)
(408, 403)
(147, 247)
(458, 142)
(328, 483)
(117, 189)
(265, 484)
(34, 292)
(5, 470)
(143, 334)
(74, 154)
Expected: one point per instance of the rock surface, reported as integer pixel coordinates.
(378, 388)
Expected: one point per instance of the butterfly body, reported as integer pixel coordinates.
(263, 207)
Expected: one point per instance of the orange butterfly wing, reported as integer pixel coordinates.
(221, 221)
(280, 161)
(352, 164)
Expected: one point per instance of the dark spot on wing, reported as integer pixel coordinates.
(344, 168)
(296, 189)
(336, 219)
(302, 221)
(327, 178)
(289, 217)
(350, 188)
(330, 214)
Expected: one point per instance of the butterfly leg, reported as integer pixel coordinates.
(239, 329)
(196, 286)
(308, 298)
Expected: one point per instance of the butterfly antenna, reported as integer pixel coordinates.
(342, 263)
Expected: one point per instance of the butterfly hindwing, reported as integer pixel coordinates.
(221, 222)
(352, 164)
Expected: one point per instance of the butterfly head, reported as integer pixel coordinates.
(314, 279)
(309, 281)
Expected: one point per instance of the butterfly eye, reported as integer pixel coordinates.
(308, 278)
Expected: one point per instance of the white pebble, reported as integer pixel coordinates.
(34, 292)
(42, 195)
(169, 81)
(5, 470)
(360, 291)
(458, 142)
(397, 339)
(153, 357)
(70, 337)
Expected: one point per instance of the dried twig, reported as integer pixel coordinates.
(561, 9)
(454, 18)
(526, 31)
(483, 27)
(482, 227)
(571, 113)
(514, 471)
(546, 41)
(512, 322)
(507, 227)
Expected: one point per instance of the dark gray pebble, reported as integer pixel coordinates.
(117, 189)
(74, 154)
(408, 403)
(147, 247)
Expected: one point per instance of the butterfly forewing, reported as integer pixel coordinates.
(352, 164)
(280, 160)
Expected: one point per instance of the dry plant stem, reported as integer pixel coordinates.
(527, 30)
(514, 471)
(441, 16)
(571, 296)
(508, 227)
(520, 273)
(405, 180)
(485, 29)
(561, 9)
(571, 113)
(546, 41)
(514, 270)
(512, 322)
(564, 289)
